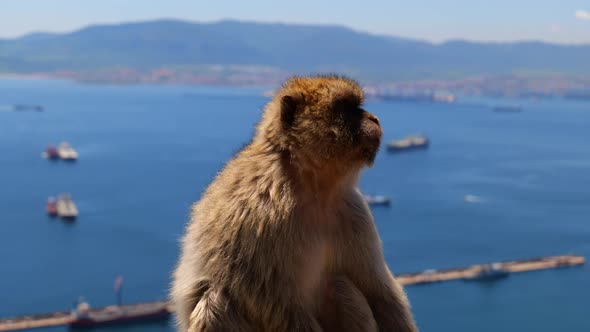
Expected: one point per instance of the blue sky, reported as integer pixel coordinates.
(563, 21)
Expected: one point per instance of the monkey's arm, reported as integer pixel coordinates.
(214, 311)
(385, 295)
(370, 273)
(345, 308)
(270, 305)
(264, 305)
(390, 306)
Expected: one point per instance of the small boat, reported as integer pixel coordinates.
(51, 152)
(66, 208)
(378, 200)
(409, 143)
(429, 272)
(51, 207)
(507, 109)
(66, 152)
(488, 272)
(27, 108)
(472, 198)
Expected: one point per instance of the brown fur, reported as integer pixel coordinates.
(282, 240)
(345, 308)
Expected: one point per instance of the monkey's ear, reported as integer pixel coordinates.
(288, 110)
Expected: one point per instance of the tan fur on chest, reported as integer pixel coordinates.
(318, 261)
(312, 276)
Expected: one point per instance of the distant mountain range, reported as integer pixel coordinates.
(287, 47)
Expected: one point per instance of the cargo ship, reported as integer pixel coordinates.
(83, 317)
(377, 200)
(66, 208)
(416, 142)
(66, 152)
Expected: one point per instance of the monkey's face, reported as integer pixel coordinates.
(325, 120)
(352, 132)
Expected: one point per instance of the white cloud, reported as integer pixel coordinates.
(583, 15)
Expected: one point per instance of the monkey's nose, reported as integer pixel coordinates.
(374, 119)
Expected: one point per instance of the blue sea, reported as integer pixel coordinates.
(148, 152)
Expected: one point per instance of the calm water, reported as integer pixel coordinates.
(146, 153)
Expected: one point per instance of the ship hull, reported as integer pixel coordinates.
(85, 323)
(489, 277)
(68, 218)
(387, 203)
(408, 148)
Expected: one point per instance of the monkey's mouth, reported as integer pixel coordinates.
(369, 146)
(372, 142)
(371, 136)
(370, 153)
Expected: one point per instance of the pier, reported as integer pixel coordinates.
(429, 276)
(541, 263)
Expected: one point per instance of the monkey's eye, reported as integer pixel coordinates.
(347, 105)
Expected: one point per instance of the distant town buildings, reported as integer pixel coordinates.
(513, 86)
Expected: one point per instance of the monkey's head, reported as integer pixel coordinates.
(321, 118)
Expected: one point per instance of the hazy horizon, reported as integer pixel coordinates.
(289, 23)
(566, 22)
